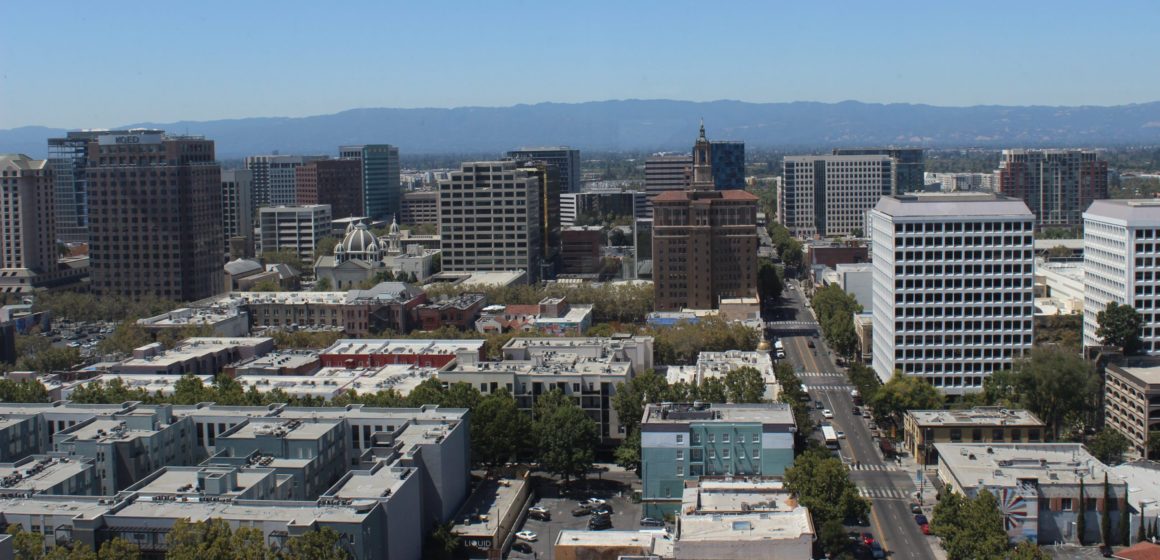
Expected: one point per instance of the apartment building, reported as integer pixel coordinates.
(28, 242)
(1121, 259)
(953, 287)
(825, 196)
(909, 165)
(293, 228)
(680, 443)
(237, 214)
(1056, 185)
(490, 219)
(922, 429)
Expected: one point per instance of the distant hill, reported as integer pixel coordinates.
(662, 125)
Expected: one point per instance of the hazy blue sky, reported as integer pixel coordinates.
(100, 64)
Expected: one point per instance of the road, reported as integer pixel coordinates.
(889, 488)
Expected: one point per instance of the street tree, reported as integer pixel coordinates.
(711, 390)
(1109, 446)
(1053, 384)
(627, 454)
(121, 549)
(745, 385)
(971, 528)
(322, 544)
(633, 395)
(903, 393)
(23, 391)
(822, 484)
(567, 437)
(1119, 325)
(768, 281)
(1027, 550)
(430, 391)
(499, 430)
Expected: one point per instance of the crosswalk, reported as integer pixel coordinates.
(884, 493)
(820, 374)
(865, 467)
(830, 387)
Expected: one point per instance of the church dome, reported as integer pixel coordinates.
(764, 346)
(359, 243)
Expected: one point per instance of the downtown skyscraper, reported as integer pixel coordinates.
(382, 191)
(155, 216)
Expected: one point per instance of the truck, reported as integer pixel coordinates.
(779, 350)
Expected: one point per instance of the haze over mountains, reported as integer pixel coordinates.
(649, 125)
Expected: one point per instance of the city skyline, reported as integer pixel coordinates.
(409, 56)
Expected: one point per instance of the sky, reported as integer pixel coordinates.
(78, 64)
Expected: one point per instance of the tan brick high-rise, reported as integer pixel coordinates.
(155, 215)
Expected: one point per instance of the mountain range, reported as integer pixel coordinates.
(653, 125)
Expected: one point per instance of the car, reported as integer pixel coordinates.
(602, 509)
(592, 502)
(841, 435)
(827, 414)
(581, 511)
(925, 527)
(856, 411)
(523, 547)
(651, 522)
(529, 536)
(915, 508)
(876, 550)
(873, 426)
(818, 405)
(539, 513)
(920, 519)
(867, 539)
(537, 509)
(866, 413)
(599, 523)
(810, 344)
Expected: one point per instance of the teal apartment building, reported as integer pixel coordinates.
(682, 442)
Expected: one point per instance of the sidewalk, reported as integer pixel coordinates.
(927, 497)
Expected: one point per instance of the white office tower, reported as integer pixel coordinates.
(829, 195)
(1121, 260)
(953, 286)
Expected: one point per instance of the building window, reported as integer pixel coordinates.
(680, 439)
(977, 434)
(680, 455)
(956, 435)
(1065, 504)
(725, 453)
(1033, 435)
(724, 438)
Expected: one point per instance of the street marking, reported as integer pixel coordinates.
(820, 374)
(882, 493)
(830, 387)
(879, 468)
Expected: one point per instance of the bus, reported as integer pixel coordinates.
(831, 436)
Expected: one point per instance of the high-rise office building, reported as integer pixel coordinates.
(953, 287)
(829, 195)
(27, 221)
(382, 191)
(335, 182)
(489, 219)
(704, 248)
(667, 172)
(155, 216)
(1057, 185)
(909, 165)
(728, 161)
(275, 178)
(1121, 255)
(237, 215)
(566, 161)
(68, 157)
(420, 207)
(552, 186)
(294, 228)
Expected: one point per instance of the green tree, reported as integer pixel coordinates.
(325, 246)
(430, 391)
(71, 551)
(628, 453)
(903, 393)
(1105, 519)
(26, 544)
(442, 543)
(126, 337)
(745, 385)
(23, 391)
(768, 281)
(1027, 550)
(499, 430)
(840, 334)
(1051, 383)
(631, 396)
(822, 484)
(267, 285)
(1119, 325)
(286, 256)
(322, 544)
(323, 285)
(1109, 446)
(1142, 529)
(567, 437)
(113, 391)
(1081, 515)
(121, 549)
(190, 390)
(832, 536)
(970, 528)
(49, 360)
(462, 395)
(1126, 520)
(712, 390)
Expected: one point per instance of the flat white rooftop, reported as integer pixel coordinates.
(764, 526)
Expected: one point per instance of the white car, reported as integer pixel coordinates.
(841, 435)
(537, 509)
(527, 536)
(827, 414)
(592, 502)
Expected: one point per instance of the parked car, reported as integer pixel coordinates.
(651, 522)
(581, 511)
(540, 513)
(841, 435)
(856, 411)
(915, 508)
(925, 528)
(810, 344)
(876, 550)
(602, 509)
(592, 502)
(599, 523)
(866, 413)
(867, 539)
(529, 536)
(827, 414)
(523, 547)
(920, 519)
(818, 405)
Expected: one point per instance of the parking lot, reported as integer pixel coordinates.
(614, 486)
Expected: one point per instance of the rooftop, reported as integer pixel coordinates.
(558, 364)
(152, 383)
(1135, 212)
(685, 413)
(736, 496)
(980, 464)
(191, 316)
(487, 506)
(687, 196)
(186, 480)
(39, 473)
(289, 429)
(978, 416)
(611, 539)
(1149, 375)
(952, 205)
(106, 429)
(377, 483)
(403, 346)
(779, 525)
